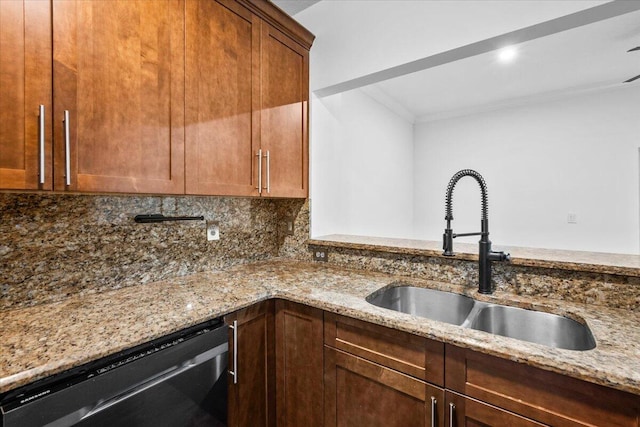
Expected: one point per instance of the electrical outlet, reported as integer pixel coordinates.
(288, 226)
(213, 231)
(321, 255)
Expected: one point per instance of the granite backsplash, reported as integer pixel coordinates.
(608, 290)
(55, 245)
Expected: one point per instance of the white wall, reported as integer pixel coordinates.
(350, 134)
(541, 162)
(362, 168)
(358, 37)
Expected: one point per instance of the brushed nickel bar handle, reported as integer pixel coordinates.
(434, 402)
(234, 373)
(268, 173)
(41, 141)
(452, 413)
(259, 155)
(67, 149)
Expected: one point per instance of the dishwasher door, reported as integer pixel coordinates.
(181, 384)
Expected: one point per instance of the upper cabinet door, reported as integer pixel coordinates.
(118, 70)
(222, 87)
(25, 85)
(284, 114)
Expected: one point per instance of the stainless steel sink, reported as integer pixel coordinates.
(527, 325)
(534, 326)
(436, 305)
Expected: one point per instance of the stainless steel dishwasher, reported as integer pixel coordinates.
(179, 380)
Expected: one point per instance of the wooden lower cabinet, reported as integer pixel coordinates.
(359, 392)
(278, 365)
(299, 365)
(547, 397)
(252, 395)
(410, 354)
(462, 411)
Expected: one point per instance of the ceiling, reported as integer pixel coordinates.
(569, 61)
(294, 6)
(585, 58)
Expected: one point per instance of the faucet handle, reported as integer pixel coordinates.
(447, 242)
(499, 256)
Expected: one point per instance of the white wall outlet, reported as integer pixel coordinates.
(572, 218)
(213, 231)
(288, 225)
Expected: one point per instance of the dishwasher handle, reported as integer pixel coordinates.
(234, 372)
(159, 378)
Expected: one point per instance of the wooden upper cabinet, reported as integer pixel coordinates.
(284, 114)
(135, 79)
(222, 88)
(247, 86)
(25, 85)
(118, 68)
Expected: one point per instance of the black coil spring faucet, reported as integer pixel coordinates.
(485, 255)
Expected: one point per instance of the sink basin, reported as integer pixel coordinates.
(436, 305)
(534, 326)
(526, 325)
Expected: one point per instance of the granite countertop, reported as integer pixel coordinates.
(39, 341)
(593, 262)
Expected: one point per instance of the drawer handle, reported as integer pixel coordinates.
(67, 149)
(41, 141)
(268, 188)
(434, 404)
(452, 414)
(259, 156)
(234, 373)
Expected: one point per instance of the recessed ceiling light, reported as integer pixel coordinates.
(507, 54)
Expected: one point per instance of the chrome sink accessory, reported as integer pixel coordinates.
(534, 326)
(485, 255)
(526, 325)
(436, 305)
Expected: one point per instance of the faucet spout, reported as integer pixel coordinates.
(485, 254)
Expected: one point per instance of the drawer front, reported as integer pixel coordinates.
(416, 356)
(463, 411)
(541, 395)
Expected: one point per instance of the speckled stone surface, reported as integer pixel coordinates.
(70, 263)
(550, 279)
(45, 339)
(590, 262)
(53, 246)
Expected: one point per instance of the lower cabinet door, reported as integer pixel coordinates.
(462, 411)
(362, 393)
(299, 367)
(252, 366)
